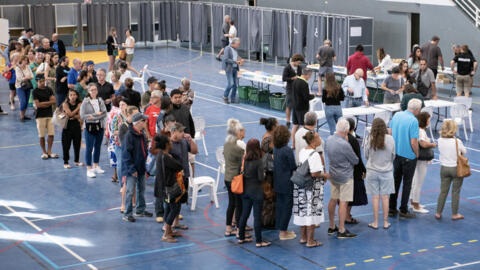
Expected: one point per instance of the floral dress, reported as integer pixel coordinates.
(109, 134)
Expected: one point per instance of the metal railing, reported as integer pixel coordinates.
(471, 9)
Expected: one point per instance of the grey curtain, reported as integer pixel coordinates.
(183, 24)
(232, 11)
(145, 22)
(199, 23)
(217, 12)
(298, 33)
(280, 39)
(25, 22)
(340, 39)
(118, 17)
(96, 23)
(242, 27)
(315, 36)
(43, 19)
(255, 30)
(167, 29)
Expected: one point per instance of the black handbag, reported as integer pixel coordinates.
(268, 162)
(93, 128)
(174, 191)
(421, 87)
(425, 154)
(26, 84)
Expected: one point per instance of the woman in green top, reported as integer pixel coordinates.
(410, 92)
(81, 86)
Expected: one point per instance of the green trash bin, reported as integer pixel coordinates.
(278, 102)
(258, 96)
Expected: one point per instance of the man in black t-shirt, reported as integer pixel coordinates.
(44, 99)
(105, 89)
(466, 67)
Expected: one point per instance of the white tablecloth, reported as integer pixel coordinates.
(356, 111)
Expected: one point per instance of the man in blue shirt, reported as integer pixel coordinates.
(73, 73)
(404, 129)
(355, 89)
(231, 62)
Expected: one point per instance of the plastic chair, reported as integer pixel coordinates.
(467, 101)
(221, 163)
(141, 80)
(430, 111)
(199, 122)
(458, 113)
(385, 116)
(314, 102)
(199, 182)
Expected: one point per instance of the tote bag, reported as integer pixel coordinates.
(237, 181)
(463, 168)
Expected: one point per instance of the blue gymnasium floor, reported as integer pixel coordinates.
(52, 218)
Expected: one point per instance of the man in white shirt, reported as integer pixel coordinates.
(355, 89)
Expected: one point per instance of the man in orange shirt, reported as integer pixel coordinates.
(152, 112)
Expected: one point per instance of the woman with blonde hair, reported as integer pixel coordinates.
(112, 47)
(449, 147)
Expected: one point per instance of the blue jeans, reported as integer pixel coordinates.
(118, 154)
(249, 201)
(333, 113)
(131, 182)
(231, 84)
(94, 143)
(354, 102)
(60, 98)
(23, 96)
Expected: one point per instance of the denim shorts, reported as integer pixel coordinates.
(379, 183)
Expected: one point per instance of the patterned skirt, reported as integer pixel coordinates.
(308, 204)
(111, 152)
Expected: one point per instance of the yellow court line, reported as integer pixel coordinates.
(369, 260)
(330, 268)
(387, 257)
(422, 250)
(404, 253)
(439, 247)
(456, 244)
(472, 241)
(350, 264)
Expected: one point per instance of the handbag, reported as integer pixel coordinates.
(174, 192)
(122, 55)
(268, 162)
(301, 176)
(93, 128)
(421, 87)
(425, 154)
(26, 84)
(463, 168)
(115, 52)
(7, 74)
(151, 164)
(59, 118)
(237, 181)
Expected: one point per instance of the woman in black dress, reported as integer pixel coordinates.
(359, 192)
(112, 47)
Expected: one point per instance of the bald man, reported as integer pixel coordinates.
(225, 31)
(355, 89)
(45, 46)
(58, 45)
(73, 73)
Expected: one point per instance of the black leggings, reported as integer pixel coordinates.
(73, 132)
(234, 205)
(171, 212)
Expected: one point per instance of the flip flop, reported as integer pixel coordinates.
(302, 242)
(181, 227)
(176, 234)
(169, 240)
(53, 155)
(373, 227)
(388, 226)
(231, 233)
(263, 244)
(317, 244)
(458, 218)
(247, 235)
(246, 240)
(351, 221)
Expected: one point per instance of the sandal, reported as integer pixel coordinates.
(67, 166)
(247, 235)
(176, 234)
(230, 233)
(317, 244)
(263, 244)
(181, 227)
(44, 156)
(169, 240)
(248, 229)
(114, 179)
(53, 155)
(459, 216)
(438, 216)
(303, 242)
(79, 164)
(387, 226)
(246, 240)
(373, 227)
(351, 221)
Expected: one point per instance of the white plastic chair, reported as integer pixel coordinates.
(385, 116)
(467, 101)
(221, 163)
(430, 111)
(314, 102)
(141, 80)
(458, 113)
(199, 182)
(199, 122)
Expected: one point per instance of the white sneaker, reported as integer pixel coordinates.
(91, 173)
(98, 170)
(421, 210)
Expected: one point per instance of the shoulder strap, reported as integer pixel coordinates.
(243, 164)
(456, 145)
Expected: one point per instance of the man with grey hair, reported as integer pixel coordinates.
(404, 129)
(355, 90)
(341, 159)
(46, 47)
(73, 73)
(57, 45)
(326, 56)
(231, 64)
(225, 31)
(310, 123)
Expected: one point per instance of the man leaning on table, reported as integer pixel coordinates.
(355, 89)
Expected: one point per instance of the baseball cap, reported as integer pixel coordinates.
(138, 117)
(90, 63)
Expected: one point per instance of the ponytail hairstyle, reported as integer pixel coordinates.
(309, 137)
(269, 123)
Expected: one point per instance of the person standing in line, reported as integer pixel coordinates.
(359, 60)
(379, 151)
(105, 89)
(414, 59)
(466, 68)
(132, 97)
(50, 72)
(153, 111)
(393, 87)
(187, 93)
(252, 196)
(404, 129)
(301, 100)
(355, 89)
(12, 66)
(300, 143)
(23, 76)
(134, 155)
(73, 73)
(92, 74)
(332, 96)
(342, 159)
(359, 192)
(290, 73)
(421, 168)
(231, 64)
(58, 45)
(225, 40)
(72, 131)
(181, 112)
(46, 47)
(61, 83)
(433, 54)
(385, 63)
(110, 136)
(449, 147)
(129, 46)
(151, 82)
(308, 201)
(425, 81)
(81, 86)
(283, 167)
(326, 57)
(93, 113)
(43, 99)
(117, 85)
(112, 47)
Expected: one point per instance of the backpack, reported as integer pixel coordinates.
(421, 87)
(301, 176)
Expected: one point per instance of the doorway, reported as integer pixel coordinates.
(414, 29)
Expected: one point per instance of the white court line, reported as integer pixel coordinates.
(224, 125)
(473, 149)
(458, 265)
(78, 257)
